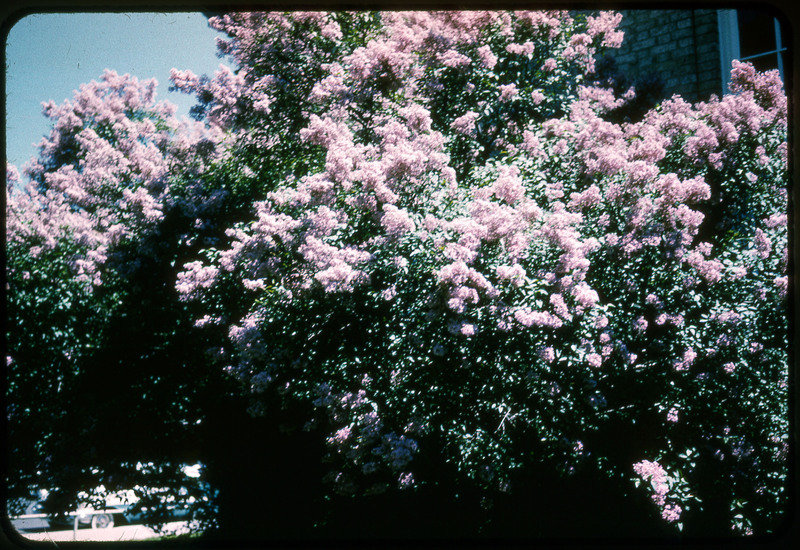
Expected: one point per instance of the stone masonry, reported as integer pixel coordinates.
(680, 46)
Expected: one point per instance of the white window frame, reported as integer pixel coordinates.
(728, 44)
(728, 23)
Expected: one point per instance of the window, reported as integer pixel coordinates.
(752, 35)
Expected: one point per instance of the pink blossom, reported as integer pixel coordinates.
(703, 142)
(488, 59)
(455, 274)
(671, 513)
(606, 24)
(324, 221)
(496, 220)
(389, 293)
(710, 270)
(380, 56)
(514, 273)
(525, 48)
(549, 65)
(676, 191)
(560, 307)
(652, 299)
(653, 472)
(672, 415)
(676, 320)
(594, 360)
(453, 58)
(341, 277)
(194, 279)
(335, 266)
(776, 220)
(586, 296)
(729, 367)
(738, 272)
(341, 436)
(460, 296)
(508, 186)
(396, 221)
(547, 354)
(763, 244)
(767, 88)
(728, 316)
(528, 317)
(782, 284)
(461, 253)
(465, 124)
(561, 147)
(185, 81)
(691, 219)
(587, 199)
(405, 480)
(417, 117)
(531, 144)
(686, 361)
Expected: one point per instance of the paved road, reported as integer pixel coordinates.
(124, 532)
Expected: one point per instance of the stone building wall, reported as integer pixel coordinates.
(680, 46)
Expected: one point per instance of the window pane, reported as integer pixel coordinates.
(756, 32)
(764, 62)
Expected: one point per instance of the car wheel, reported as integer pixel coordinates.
(102, 521)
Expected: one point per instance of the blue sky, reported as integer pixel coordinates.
(48, 56)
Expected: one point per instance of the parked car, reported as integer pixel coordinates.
(113, 508)
(31, 518)
(172, 512)
(104, 518)
(35, 517)
(126, 507)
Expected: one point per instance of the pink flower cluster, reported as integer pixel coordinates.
(365, 445)
(115, 146)
(44, 223)
(464, 284)
(194, 279)
(653, 472)
(686, 361)
(334, 267)
(672, 415)
(671, 513)
(465, 124)
(660, 486)
(229, 91)
(606, 25)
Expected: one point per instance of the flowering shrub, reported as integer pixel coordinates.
(474, 258)
(423, 227)
(89, 236)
